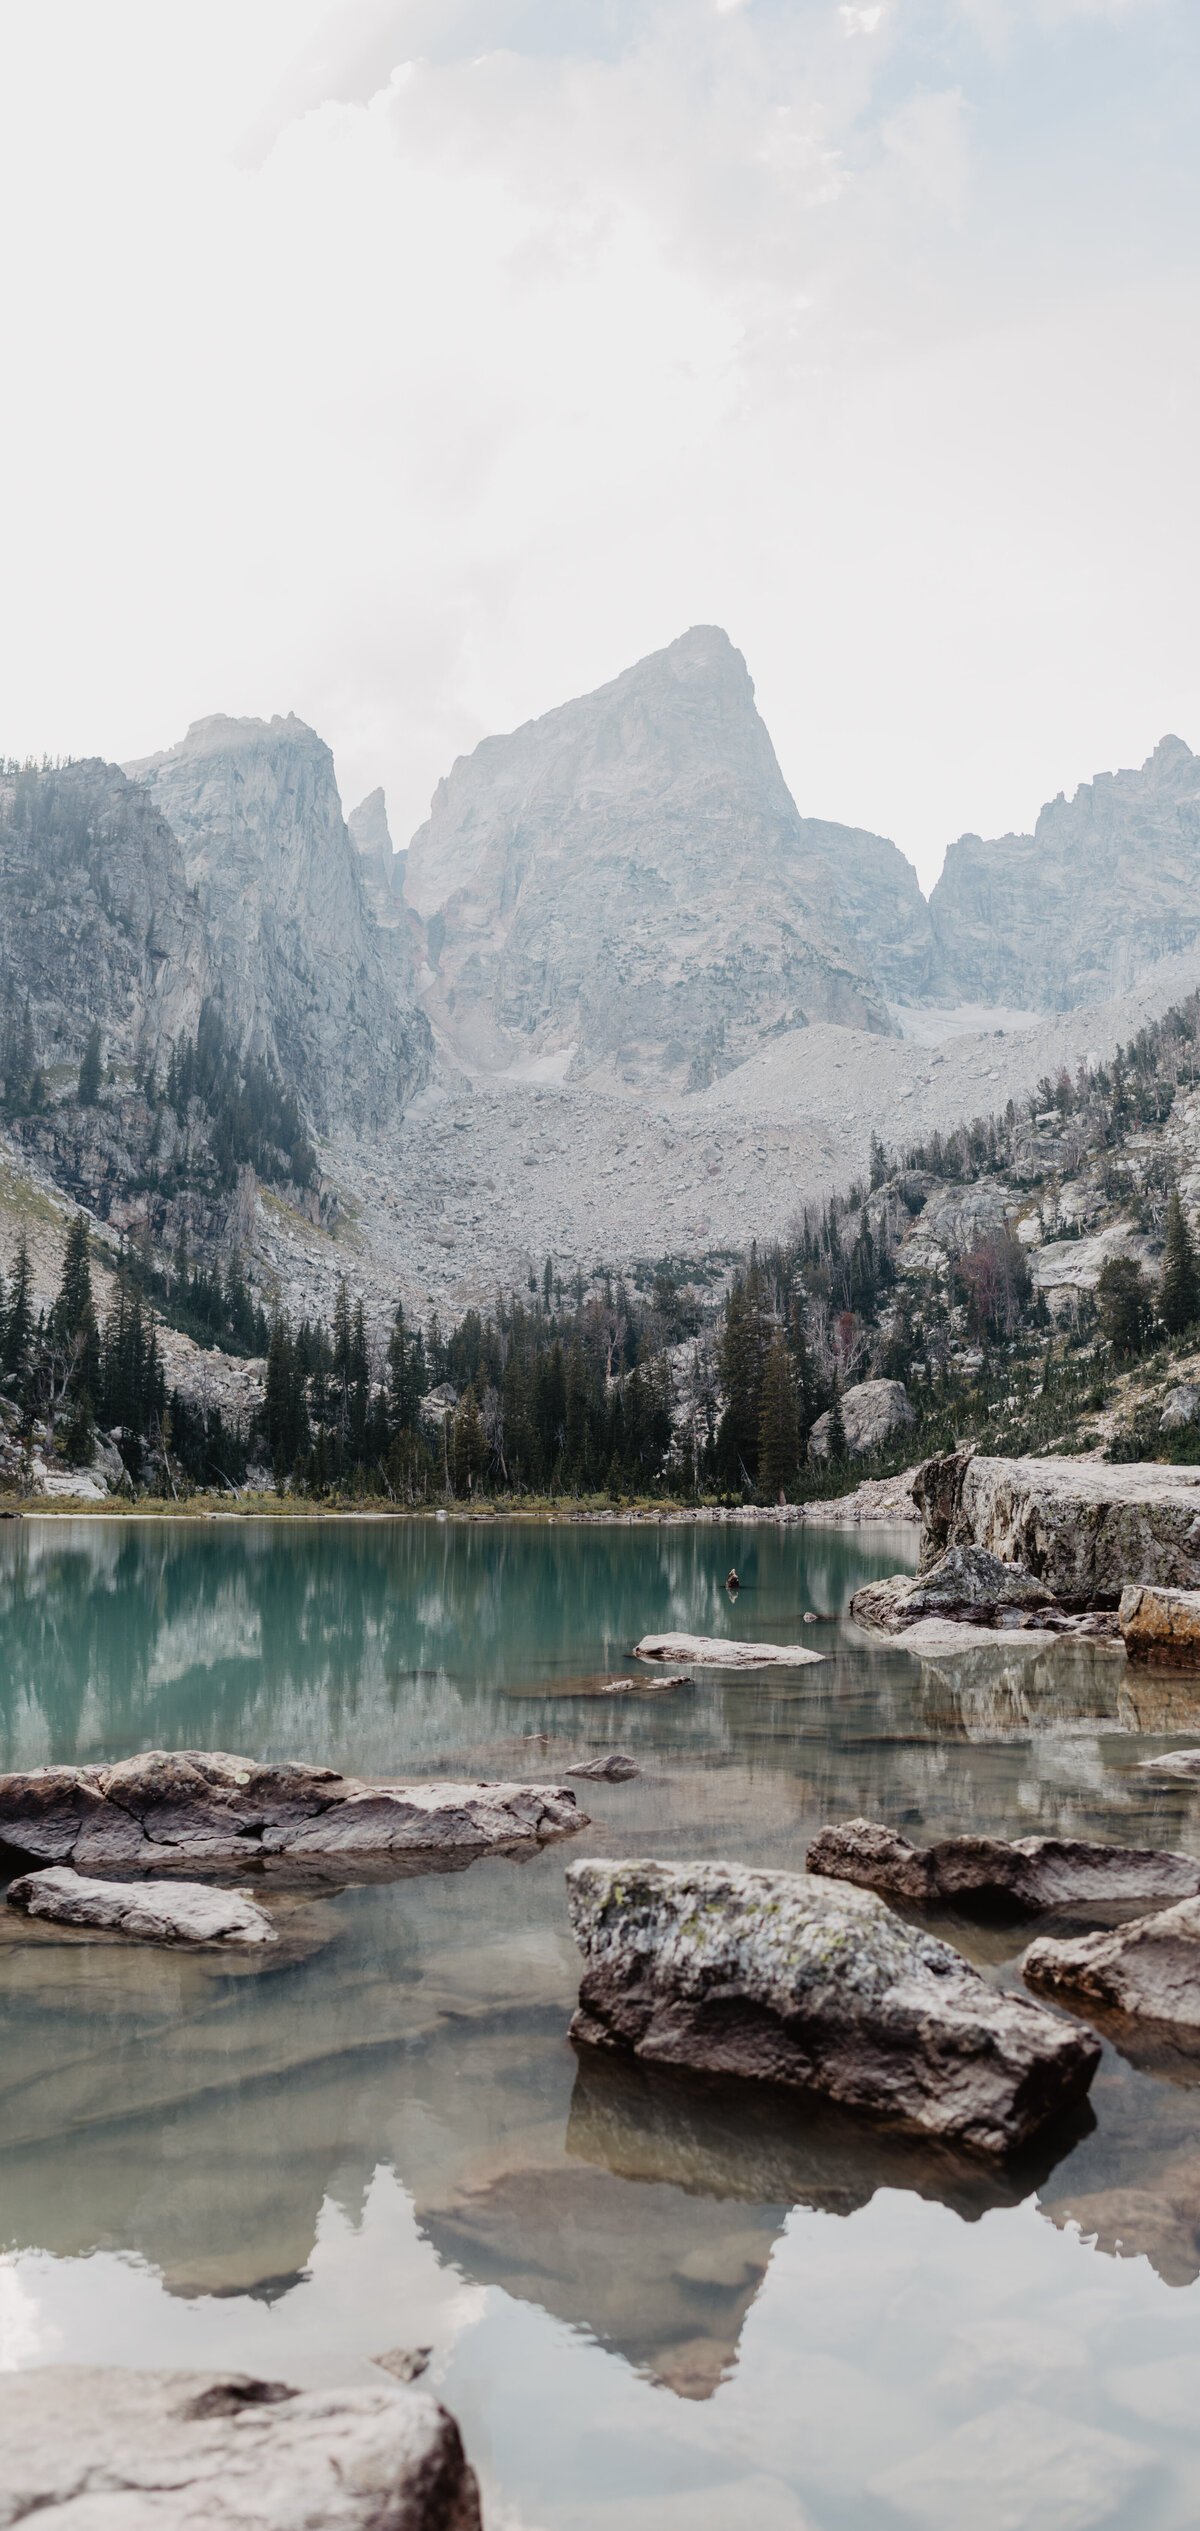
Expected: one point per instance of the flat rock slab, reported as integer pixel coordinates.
(100, 2448)
(1183, 1764)
(1149, 1970)
(147, 1911)
(192, 1806)
(1161, 1625)
(1029, 1873)
(1082, 1527)
(774, 1977)
(714, 1652)
(613, 1768)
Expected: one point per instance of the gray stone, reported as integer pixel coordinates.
(190, 1805)
(1182, 1408)
(873, 1413)
(148, 1911)
(1083, 1528)
(1184, 1764)
(714, 1652)
(1028, 1873)
(1149, 1969)
(102, 2448)
(613, 1768)
(774, 1978)
(968, 1583)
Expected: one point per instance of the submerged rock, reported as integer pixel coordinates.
(148, 1911)
(613, 1768)
(768, 1976)
(1181, 1763)
(967, 1583)
(1149, 1969)
(192, 1806)
(1029, 1872)
(714, 1652)
(1161, 1626)
(1083, 1528)
(91, 2444)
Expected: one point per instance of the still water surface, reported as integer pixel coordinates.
(651, 2307)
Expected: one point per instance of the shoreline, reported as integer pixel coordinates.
(885, 1502)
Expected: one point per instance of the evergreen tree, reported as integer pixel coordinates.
(470, 1446)
(89, 1070)
(1179, 1290)
(779, 1424)
(18, 1325)
(1123, 1296)
(839, 1448)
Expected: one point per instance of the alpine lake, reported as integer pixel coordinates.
(651, 2304)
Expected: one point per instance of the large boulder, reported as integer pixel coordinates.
(1161, 1626)
(1083, 1528)
(191, 1805)
(100, 2448)
(714, 1652)
(769, 1976)
(967, 1583)
(872, 1414)
(1027, 1873)
(1149, 1969)
(147, 1911)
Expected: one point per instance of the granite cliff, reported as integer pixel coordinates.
(305, 978)
(625, 886)
(1107, 884)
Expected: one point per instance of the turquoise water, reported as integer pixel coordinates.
(649, 2306)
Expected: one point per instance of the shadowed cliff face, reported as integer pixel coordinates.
(1108, 883)
(626, 883)
(96, 921)
(294, 948)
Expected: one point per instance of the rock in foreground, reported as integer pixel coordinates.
(1162, 1626)
(768, 1976)
(191, 1806)
(1029, 1873)
(712, 1652)
(98, 2445)
(148, 1911)
(1149, 1969)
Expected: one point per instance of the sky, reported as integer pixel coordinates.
(415, 364)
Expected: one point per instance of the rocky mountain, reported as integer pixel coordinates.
(305, 978)
(884, 912)
(626, 884)
(97, 919)
(1107, 884)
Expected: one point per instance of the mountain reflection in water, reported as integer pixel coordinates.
(382, 2135)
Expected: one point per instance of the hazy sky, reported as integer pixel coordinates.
(415, 364)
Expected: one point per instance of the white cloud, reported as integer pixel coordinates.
(385, 364)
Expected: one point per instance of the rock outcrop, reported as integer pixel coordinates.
(1161, 1626)
(1107, 884)
(293, 947)
(1149, 1970)
(627, 882)
(967, 1583)
(147, 1911)
(193, 1806)
(613, 1768)
(872, 1413)
(1029, 1874)
(96, 919)
(86, 2445)
(774, 1978)
(1084, 1529)
(714, 1652)
(885, 914)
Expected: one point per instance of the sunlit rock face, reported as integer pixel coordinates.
(626, 884)
(96, 918)
(293, 945)
(1108, 883)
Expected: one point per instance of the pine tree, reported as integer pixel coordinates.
(1179, 1290)
(779, 1425)
(18, 1325)
(839, 1448)
(89, 1070)
(470, 1446)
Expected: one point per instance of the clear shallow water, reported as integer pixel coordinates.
(651, 2306)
